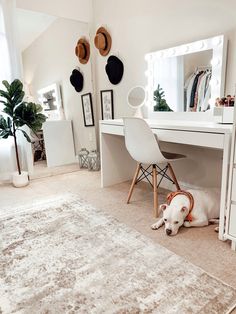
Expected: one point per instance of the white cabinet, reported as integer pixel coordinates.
(232, 221)
(230, 229)
(59, 144)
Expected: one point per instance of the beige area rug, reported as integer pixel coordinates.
(65, 256)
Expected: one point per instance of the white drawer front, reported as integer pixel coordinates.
(232, 221)
(209, 140)
(112, 129)
(233, 196)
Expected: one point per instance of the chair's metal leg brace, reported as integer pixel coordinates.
(162, 176)
(165, 174)
(146, 173)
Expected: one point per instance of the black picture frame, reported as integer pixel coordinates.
(87, 106)
(108, 111)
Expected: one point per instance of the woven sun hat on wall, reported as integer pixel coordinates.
(102, 41)
(82, 50)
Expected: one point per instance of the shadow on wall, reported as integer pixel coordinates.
(199, 168)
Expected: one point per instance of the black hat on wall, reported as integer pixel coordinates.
(114, 69)
(77, 80)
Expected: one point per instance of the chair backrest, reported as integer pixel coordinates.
(141, 142)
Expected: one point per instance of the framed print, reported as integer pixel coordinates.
(87, 109)
(107, 104)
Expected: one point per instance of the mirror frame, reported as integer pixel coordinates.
(145, 97)
(219, 46)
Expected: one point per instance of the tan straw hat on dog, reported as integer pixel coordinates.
(82, 50)
(102, 41)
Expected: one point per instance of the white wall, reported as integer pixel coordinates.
(51, 58)
(142, 26)
(80, 10)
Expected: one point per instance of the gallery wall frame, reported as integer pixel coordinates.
(87, 106)
(107, 105)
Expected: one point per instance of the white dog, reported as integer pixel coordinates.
(192, 208)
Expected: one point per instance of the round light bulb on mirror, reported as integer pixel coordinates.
(215, 61)
(185, 48)
(159, 54)
(172, 52)
(200, 44)
(214, 82)
(217, 41)
(147, 57)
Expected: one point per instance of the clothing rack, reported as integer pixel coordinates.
(203, 68)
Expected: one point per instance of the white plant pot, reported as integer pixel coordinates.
(20, 180)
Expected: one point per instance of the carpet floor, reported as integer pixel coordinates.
(66, 256)
(200, 246)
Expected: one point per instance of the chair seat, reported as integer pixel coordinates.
(173, 156)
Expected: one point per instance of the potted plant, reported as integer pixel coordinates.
(17, 114)
(159, 98)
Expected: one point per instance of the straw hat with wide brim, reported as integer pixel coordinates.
(102, 41)
(82, 50)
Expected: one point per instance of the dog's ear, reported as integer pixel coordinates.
(163, 207)
(184, 209)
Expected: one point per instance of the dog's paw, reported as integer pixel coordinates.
(187, 224)
(154, 226)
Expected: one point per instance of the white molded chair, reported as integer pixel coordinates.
(143, 147)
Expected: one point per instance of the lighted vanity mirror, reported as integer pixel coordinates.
(187, 78)
(50, 99)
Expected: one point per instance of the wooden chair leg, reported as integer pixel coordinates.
(155, 196)
(133, 182)
(173, 176)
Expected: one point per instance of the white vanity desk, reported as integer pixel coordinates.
(117, 165)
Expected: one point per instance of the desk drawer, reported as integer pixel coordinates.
(232, 221)
(209, 140)
(112, 129)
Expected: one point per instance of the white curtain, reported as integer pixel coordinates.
(169, 73)
(10, 69)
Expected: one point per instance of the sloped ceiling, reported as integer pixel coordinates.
(31, 25)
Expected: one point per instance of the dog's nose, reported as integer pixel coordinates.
(168, 231)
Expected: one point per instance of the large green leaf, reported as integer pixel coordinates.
(7, 85)
(5, 95)
(13, 95)
(29, 114)
(5, 127)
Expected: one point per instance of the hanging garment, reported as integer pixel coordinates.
(205, 104)
(197, 90)
(201, 90)
(188, 88)
(194, 88)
